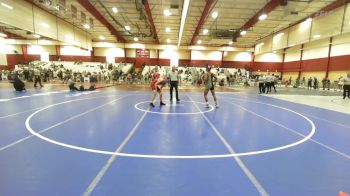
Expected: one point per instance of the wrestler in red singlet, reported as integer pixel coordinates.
(157, 86)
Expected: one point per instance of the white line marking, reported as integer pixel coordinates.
(312, 132)
(33, 95)
(339, 124)
(62, 122)
(240, 163)
(312, 116)
(172, 113)
(104, 169)
(15, 114)
(289, 129)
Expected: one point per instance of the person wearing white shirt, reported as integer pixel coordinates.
(346, 86)
(261, 80)
(173, 77)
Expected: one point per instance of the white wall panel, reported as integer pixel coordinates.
(131, 53)
(20, 15)
(206, 55)
(316, 49)
(268, 57)
(39, 49)
(292, 54)
(45, 24)
(116, 52)
(153, 53)
(238, 56)
(65, 32)
(184, 54)
(3, 59)
(341, 45)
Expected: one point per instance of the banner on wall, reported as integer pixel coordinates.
(143, 53)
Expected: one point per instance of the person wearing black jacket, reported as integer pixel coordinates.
(18, 84)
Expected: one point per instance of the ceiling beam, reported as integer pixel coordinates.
(150, 19)
(328, 8)
(269, 7)
(93, 11)
(208, 6)
(12, 35)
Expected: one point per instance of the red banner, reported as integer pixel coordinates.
(143, 53)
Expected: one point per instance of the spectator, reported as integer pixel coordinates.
(18, 84)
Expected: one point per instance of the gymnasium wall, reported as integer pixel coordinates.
(43, 23)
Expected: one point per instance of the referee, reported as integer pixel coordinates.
(173, 77)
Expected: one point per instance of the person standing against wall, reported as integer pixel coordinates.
(346, 86)
(173, 77)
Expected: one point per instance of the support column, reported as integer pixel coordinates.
(283, 59)
(25, 52)
(58, 50)
(301, 59)
(222, 57)
(125, 58)
(329, 55)
(253, 61)
(157, 56)
(92, 54)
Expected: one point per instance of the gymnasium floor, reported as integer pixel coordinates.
(55, 142)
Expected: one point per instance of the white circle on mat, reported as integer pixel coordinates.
(173, 113)
(154, 156)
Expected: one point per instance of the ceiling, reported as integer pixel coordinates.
(232, 15)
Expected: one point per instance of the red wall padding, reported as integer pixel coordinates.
(291, 66)
(14, 59)
(236, 64)
(264, 66)
(314, 65)
(340, 63)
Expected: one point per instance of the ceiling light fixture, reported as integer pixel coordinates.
(3, 35)
(7, 6)
(36, 36)
(205, 31)
(86, 26)
(317, 36)
(243, 33)
(168, 40)
(199, 41)
(114, 10)
(136, 39)
(263, 17)
(127, 28)
(230, 43)
(167, 12)
(102, 37)
(45, 25)
(167, 29)
(280, 34)
(185, 8)
(215, 15)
